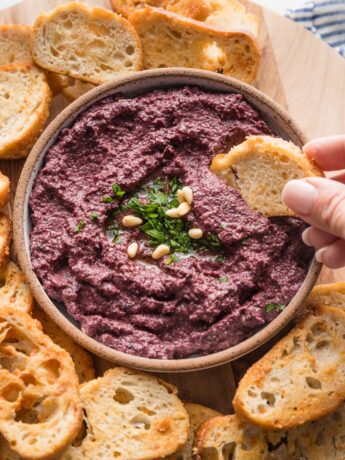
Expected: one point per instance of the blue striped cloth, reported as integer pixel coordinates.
(326, 18)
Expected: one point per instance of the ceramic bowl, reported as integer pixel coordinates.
(277, 118)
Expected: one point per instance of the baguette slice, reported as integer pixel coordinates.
(197, 415)
(82, 359)
(40, 407)
(260, 167)
(92, 44)
(327, 294)
(228, 15)
(24, 108)
(320, 440)
(170, 40)
(227, 437)
(15, 44)
(71, 88)
(5, 241)
(4, 190)
(129, 415)
(301, 378)
(14, 291)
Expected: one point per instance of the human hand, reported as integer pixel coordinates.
(321, 202)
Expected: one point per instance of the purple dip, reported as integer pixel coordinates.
(199, 304)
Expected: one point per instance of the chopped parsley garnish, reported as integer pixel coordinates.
(274, 306)
(171, 259)
(117, 190)
(162, 229)
(223, 279)
(94, 216)
(224, 225)
(150, 203)
(107, 199)
(243, 240)
(114, 230)
(220, 259)
(79, 226)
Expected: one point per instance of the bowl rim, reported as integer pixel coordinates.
(20, 238)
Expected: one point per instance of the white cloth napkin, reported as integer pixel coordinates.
(326, 18)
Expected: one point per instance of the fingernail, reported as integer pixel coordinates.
(319, 254)
(299, 196)
(305, 237)
(310, 149)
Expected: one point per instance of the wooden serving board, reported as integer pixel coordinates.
(301, 73)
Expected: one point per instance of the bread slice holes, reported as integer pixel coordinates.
(68, 24)
(11, 392)
(318, 328)
(322, 344)
(296, 342)
(141, 422)
(116, 454)
(313, 383)
(252, 394)
(52, 367)
(28, 416)
(146, 411)
(130, 50)
(269, 398)
(127, 63)
(228, 450)
(28, 379)
(123, 396)
(105, 67)
(309, 338)
(208, 453)
(97, 43)
(262, 408)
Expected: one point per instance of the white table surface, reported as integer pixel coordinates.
(277, 5)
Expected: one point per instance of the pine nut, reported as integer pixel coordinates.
(132, 250)
(183, 209)
(160, 251)
(188, 194)
(180, 196)
(131, 221)
(195, 233)
(172, 213)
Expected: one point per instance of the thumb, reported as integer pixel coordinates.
(319, 202)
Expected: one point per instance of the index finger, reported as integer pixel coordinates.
(328, 152)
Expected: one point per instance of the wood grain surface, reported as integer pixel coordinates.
(301, 73)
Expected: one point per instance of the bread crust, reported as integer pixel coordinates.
(299, 356)
(20, 145)
(198, 414)
(15, 292)
(216, 433)
(37, 379)
(247, 66)
(5, 241)
(249, 166)
(131, 413)
(4, 190)
(91, 13)
(83, 361)
(18, 35)
(228, 15)
(332, 294)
